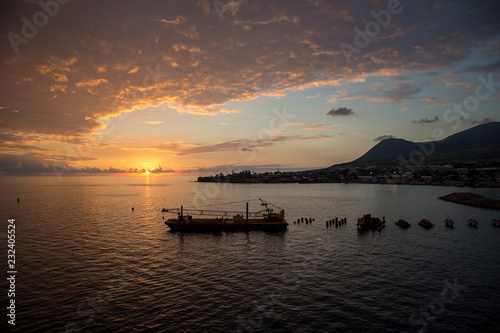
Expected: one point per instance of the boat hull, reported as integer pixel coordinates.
(210, 225)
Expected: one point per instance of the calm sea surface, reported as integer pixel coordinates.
(87, 262)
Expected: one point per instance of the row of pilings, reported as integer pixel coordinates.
(330, 223)
(305, 220)
(336, 222)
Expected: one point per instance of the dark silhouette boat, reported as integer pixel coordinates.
(473, 223)
(426, 223)
(265, 220)
(402, 223)
(449, 223)
(367, 222)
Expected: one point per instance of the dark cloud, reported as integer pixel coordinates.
(383, 137)
(27, 163)
(342, 111)
(426, 121)
(484, 121)
(488, 68)
(402, 92)
(246, 145)
(35, 163)
(229, 168)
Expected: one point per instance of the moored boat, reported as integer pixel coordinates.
(402, 223)
(449, 223)
(367, 222)
(473, 223)
(495, 223)
(426, 223)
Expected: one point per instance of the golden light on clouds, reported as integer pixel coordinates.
(198, 83)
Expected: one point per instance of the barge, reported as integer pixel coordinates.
(265, 220)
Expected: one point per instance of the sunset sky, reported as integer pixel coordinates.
(200, 86)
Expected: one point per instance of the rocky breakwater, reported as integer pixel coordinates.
(472, 199)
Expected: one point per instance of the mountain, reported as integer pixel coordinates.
(387, 150)
(479, 143)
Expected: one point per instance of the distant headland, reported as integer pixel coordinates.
(470, 158)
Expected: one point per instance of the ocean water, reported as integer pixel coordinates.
(87, 263)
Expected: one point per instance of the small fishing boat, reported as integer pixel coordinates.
(495, 223)
(426, 223)
(449, 223)
(473, 223)
(402, 223)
